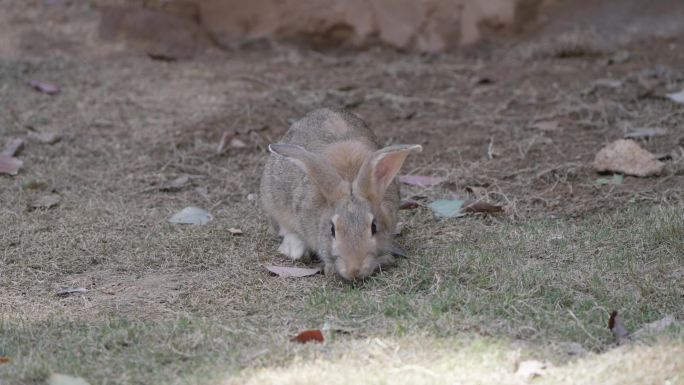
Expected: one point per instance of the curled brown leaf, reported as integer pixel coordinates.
(308, 336)
(618, 328)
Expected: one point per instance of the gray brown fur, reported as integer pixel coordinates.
(328, 167)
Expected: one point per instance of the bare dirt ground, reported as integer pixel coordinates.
(130, 124)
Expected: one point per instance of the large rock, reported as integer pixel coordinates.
(425, 25)
(627, 157)
(161, 33)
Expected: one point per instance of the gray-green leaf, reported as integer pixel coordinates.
(447, 208)
(191, 216)
(616, 179)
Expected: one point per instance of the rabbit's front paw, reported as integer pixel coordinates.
(292, 246)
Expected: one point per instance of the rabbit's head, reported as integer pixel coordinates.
(352, 220)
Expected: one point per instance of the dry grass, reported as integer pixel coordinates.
(404, 361)
(542, 288)
(193, 304)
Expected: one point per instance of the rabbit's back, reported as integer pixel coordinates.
(287, 193)
(325, 126)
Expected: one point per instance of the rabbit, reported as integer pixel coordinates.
(329, 189)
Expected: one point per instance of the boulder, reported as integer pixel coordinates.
(627, 157)
(424, 25)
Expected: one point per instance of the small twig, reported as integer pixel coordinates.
(490, 148)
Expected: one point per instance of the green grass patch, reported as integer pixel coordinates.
(486, 298)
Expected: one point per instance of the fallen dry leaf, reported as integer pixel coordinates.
(13, 147)
(420, 180)
(45, 201)
(292, 272)
(618, 328)
(308, 336)
(47, 137)
(235, 231)
(10, 165)
(627, 157)
(482, 207)
(546, 125)
(4, 360)
(44, 87)
(646, 133)
(65, 291)
(176, 184)
(63, 379)
(226, 138)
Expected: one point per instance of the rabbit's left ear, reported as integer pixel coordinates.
(378, 171)
(319, 169)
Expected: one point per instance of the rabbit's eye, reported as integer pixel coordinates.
(374, 227)
(332, 229)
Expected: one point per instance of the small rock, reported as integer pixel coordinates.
(44, 87)
(203, 191)
(546, 125)
(619, 57)
(45, 202)
(237, 143)
(192, 216)
(13, 147)
(176, 184)
(676, 97)
(10, 165)
(235, 231)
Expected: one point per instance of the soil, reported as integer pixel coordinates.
(131, 123)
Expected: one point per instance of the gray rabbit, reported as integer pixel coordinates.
(329, 189)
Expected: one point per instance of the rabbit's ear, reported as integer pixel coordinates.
(378, 171)
(328, 181)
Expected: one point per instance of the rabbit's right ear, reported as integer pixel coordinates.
(378, 171)
(319, 169)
